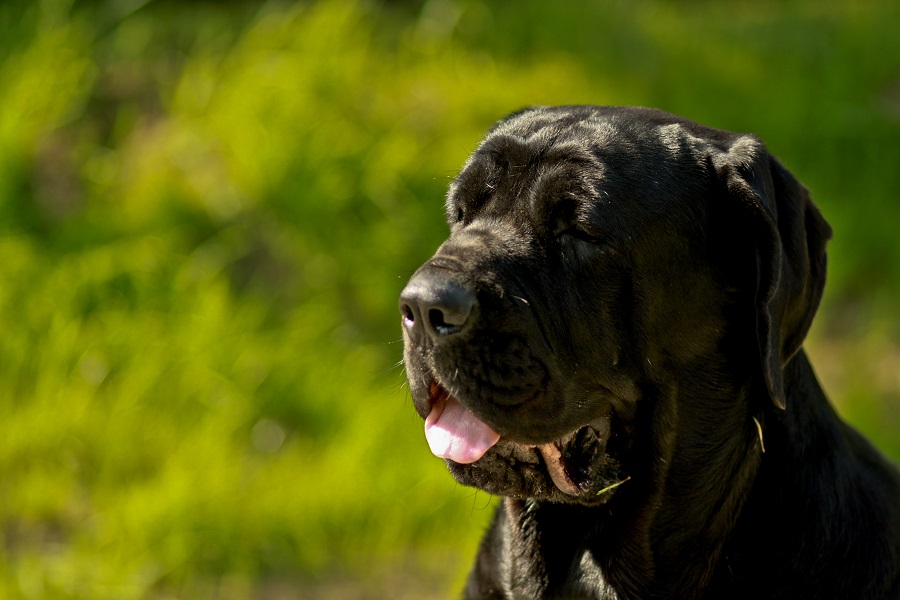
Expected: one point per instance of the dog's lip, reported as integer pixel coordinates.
(474, 438)
(568, 477)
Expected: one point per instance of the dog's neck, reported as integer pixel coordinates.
(817, 475)
(619, 540)
(698, 481)
(697, 502)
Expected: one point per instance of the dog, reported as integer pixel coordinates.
(610, 339)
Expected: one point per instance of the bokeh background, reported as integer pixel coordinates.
(207, 211)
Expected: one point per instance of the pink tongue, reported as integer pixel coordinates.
(455, 433)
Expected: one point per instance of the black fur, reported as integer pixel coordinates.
(627, 267)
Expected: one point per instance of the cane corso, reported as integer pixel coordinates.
(611, 339)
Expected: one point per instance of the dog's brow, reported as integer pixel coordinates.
(563, 184)
(475, 185)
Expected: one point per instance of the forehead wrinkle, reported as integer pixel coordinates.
(511, 169)
(572, 168)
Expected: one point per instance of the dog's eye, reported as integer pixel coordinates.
(579, 234)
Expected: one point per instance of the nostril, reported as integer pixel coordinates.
(407, 313)
(453, 311)
(439, 323)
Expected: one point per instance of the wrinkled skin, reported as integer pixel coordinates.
(618, 314)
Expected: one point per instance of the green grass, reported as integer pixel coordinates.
(207, 211)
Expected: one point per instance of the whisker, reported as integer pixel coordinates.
(397, 387)
(490, 498)
(398, 364)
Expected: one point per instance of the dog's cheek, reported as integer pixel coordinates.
(599, 320)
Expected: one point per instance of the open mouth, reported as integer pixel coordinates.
(570, 461)
(455, 433)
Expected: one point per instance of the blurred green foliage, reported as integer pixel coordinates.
(208, 209)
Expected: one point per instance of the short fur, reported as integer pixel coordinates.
(630, 267)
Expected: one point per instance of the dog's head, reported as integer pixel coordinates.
(601, 261)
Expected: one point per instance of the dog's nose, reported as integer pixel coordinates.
(435, 306)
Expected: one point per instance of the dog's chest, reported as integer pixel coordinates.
(588, 582)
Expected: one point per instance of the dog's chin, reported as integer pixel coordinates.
(574, 469)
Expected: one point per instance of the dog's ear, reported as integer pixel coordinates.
(790, 235)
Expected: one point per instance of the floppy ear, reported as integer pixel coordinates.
(790, 236)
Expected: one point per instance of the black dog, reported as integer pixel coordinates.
(611, 339)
